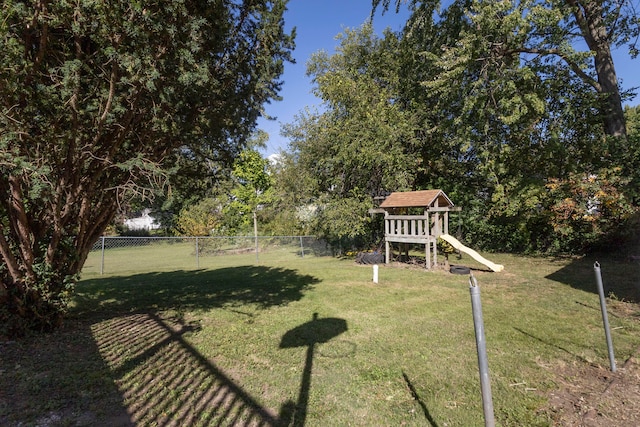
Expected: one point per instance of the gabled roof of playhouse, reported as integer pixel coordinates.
(417, 199)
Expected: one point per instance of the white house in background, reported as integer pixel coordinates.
(143, 222)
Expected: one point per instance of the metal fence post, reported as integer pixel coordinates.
(197, 254)
(605, 317)
(301, 247)
(483, 364)
(102, 258)
(255, 233)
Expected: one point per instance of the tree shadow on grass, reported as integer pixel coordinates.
(122, 360)
(187, 290)
(620, 278)
(58, 379)
(164, 380)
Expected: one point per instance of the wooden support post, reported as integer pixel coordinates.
(446, 222)
(435, 251)
(427, 224)
(387, 231)
(386, 251)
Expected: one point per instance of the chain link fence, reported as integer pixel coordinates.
(118, 254)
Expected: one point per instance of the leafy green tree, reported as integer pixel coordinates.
(294, 189)
(251, 191)
(362, 143)
(633, 119)
(96, 100)
(549, 32)
(513, 105)
(202, 219)
(630, 154)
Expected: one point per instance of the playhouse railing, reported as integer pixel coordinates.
(415, 228)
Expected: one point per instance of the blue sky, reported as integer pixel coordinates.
(317, 23)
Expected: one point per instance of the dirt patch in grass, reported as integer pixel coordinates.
(593, 396)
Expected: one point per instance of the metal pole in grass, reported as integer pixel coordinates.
(301, 247)
(197, 254)
(483, 364)
(605, 317)
(102, 261)
(255, 233)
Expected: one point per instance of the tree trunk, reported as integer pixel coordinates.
(52, 244)
(589, 16)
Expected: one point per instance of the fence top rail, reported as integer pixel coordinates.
(203, 237)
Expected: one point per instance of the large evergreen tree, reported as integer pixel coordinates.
(95, 97)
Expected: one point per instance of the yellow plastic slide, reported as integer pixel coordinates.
(475, 255)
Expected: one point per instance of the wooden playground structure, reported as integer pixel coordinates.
(417, 217)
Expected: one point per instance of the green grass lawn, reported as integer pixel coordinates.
(313, 341)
